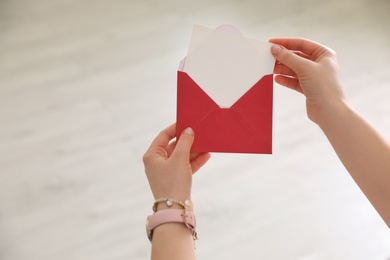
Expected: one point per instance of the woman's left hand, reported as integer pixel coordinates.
(169, 165)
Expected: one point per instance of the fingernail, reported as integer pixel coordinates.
(188, 131)
(275, 49)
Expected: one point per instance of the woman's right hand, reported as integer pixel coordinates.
(312, 69)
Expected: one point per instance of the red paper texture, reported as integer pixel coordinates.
(244, 127)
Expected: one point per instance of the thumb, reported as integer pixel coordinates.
(288, 58)
(183, 145)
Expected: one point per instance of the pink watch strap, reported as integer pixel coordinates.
(169, 216)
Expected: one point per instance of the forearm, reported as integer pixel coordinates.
(364, 153)
(172, 241)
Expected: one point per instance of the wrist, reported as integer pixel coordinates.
(166, 211)
(163, 206)
(333, 112)
(329, 111)
(170, 203)
(185, 218)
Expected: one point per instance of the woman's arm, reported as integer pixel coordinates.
(364, 153)
(172, 241)
(312, 69)
(169, 167)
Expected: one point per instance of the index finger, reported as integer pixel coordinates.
(163, 138)
(299, 44)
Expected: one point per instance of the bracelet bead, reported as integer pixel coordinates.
(169, 202)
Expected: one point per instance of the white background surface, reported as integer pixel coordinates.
(86, 85)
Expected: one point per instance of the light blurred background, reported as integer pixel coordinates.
(86, 85)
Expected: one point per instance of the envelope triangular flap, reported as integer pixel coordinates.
(225, 64)
(194, 104)
(225, 130)
(257, 104)
(246, 127)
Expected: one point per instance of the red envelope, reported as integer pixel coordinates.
(244, 127)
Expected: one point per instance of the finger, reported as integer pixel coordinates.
(162, 140)
(199, 161)
(303, 55)
(193, 156)
(283, 70)
(290, 59)
(280, 68)
(289, 82)
(183, 145)
(299, 44)
(171, 147)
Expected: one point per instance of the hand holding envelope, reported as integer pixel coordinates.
(224, 92)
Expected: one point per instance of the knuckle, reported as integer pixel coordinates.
(146, 158)
(284, 54)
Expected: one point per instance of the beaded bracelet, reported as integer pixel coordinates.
(170, 202)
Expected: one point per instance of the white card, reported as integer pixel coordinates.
(226, 64)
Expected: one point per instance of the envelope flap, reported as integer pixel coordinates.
(257, 104)
(226, 130)
(194, 104)
(260, 93)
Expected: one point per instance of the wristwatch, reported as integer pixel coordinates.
(171, 216)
